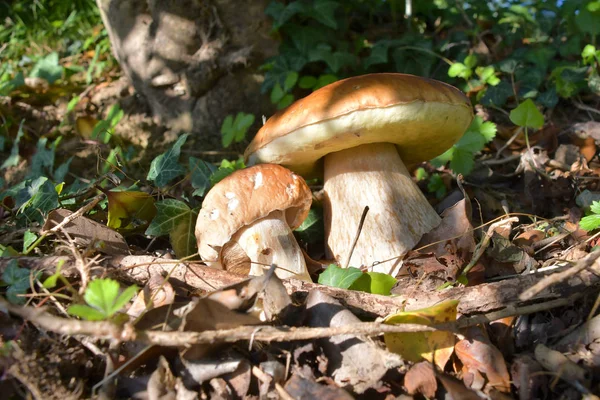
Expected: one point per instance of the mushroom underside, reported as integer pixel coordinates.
(267, 241)
(399, 214)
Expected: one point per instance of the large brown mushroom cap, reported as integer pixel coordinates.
(423, 117)
(246, 196)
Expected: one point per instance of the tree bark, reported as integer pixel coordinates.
(194, 61)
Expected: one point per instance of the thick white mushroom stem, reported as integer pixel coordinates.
(271, 241)
(399, 214)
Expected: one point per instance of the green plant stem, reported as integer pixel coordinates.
(35, 244)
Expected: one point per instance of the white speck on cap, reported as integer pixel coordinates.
(258, 180)
(214, 214)
(233, 201)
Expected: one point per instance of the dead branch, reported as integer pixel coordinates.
(111, 331)
(479, 299)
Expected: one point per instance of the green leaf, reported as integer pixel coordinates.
(527, 115)
(42, 162)
(28, 239)
(290, 81)
(277, 93)
(13, 159)
(311, 230)
(595, 207)
(225, 169)
(588, 21)
(285, 101)
(48, 68)
(462, 161)
(86, 312)
(51, 281)
(201, 172)
(39, 197)
(102, 295)
(590, 222)
(497, 95)
(166, 167)
(170, 213)
(324, 12)
(325, 80)
(375, 283)
(338, 277)
(307, 82)
(17, 280)
(459, 70)
(436, 185)
(588, 54)
(234, 130)
(124, 298)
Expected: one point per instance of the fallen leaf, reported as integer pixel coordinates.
(303, 388)
(455, 388)
(418, 346)
(479, 355)
(84, 126)
(86, 232)
(156, 292)
(420, 378)
(353, 361)
(130, 210)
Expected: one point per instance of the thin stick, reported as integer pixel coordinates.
(108, 330)
(358, 231)
(560, 276)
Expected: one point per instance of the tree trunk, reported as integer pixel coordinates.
(194, 61)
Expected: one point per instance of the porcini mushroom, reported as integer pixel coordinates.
(255, 209)
(366, 129)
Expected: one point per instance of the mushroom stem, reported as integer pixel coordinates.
(271, 241)
(373, 175)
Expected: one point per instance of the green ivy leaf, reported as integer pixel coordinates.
(39, 197)
(290, 81)
(18, 281)
(375, 283)
(339, 277)
(201, 172)
(48, 68)
(277, 93)
(42, 162)
(169, 214)
(165, 167)
(324, 12)
(436, 185)
(527, 115)
(311, 230)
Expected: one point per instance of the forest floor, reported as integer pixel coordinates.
(521, 321)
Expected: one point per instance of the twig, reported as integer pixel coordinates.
(358, 231)
(509, 141)
(559, 276)
(108, 330)
(583, 107)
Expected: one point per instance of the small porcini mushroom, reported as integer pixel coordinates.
(366, 129)
(255, 209)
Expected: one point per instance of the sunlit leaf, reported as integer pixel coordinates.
(129, 210)
(339, 277)
(527, 115)
(420, 346)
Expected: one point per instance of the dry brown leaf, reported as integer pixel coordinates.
(479, 355)
(303, 388)
(156, 292)
(86, 232)
(420, 378)
(455, 388)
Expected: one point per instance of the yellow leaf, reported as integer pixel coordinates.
(84, 126)
(420, 346)
(130, 211)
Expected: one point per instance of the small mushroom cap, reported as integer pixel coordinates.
(423, 117)
(246, 196)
